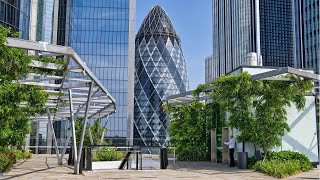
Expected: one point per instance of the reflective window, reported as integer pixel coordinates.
(15, 14)
(97, 32)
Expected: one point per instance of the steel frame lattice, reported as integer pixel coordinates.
(77, 88)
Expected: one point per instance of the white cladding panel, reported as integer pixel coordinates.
(303, 135)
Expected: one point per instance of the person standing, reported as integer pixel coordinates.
(231, 145)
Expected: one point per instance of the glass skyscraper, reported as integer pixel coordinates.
(100, 32)
(311, 34)
(160, 71)
(45, 12)
(16, 15)
(266, 27)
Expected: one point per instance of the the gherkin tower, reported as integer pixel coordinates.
(160, 71)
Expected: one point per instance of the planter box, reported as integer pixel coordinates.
(242, 160)
(105, 165)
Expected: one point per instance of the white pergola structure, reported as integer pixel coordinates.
(258, 73)
(75, 93)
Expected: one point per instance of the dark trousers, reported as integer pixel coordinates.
(231, 152)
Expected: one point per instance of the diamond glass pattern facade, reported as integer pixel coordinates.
(160, 70)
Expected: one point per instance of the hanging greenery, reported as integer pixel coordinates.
(257, 108)
(189, 129)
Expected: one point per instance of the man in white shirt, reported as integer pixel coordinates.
(231, 145)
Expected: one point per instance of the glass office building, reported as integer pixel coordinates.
(160, 71)
(100, 32)
(266, 27)
(45, 12)
(276, 33)
(16, 15)
(311, 34)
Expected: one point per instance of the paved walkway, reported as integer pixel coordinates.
(44, 167)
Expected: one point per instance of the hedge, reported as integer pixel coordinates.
(282, 164)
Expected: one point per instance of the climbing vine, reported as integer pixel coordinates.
(258, 107)
(189, 129)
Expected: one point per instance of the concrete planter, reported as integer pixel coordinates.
(105, 165)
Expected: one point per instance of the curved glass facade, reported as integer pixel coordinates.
(160, 72)
(16, 15)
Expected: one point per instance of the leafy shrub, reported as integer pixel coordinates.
(189, 154)
(278, 168)
(5, 163)
(251, 162)
(305, 164)
(22, 154)
(9, 153)
(170, 150)
(108, 154)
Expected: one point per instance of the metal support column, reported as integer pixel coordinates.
(83, 129)
(37, 137)
(104, 129)
(90, 134)
(53, 133)
(73, 128)
(70, 130)
(65, 146)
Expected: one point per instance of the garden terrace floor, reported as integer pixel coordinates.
(45, 167)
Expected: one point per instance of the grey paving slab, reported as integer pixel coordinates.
(43, 167)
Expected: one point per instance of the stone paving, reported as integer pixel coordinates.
(45, 167)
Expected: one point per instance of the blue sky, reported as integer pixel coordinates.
(192, 21)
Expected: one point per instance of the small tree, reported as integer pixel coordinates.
(14, 117)
(96, 131)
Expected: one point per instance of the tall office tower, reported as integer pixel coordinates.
(16, 15)
(42, 29)
(265, 27)
(210, 68)
(102, 33)
(160, 71)
(45, 10)
(311, 34)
